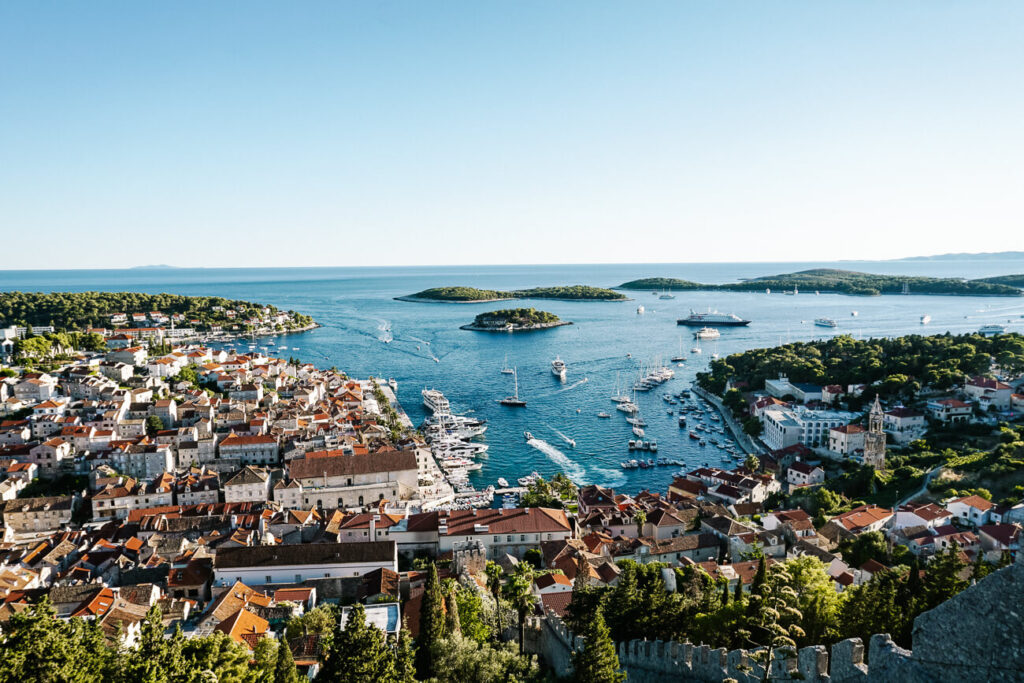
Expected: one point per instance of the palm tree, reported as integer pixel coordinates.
(494, 574)
(639, 517)
(517, 592)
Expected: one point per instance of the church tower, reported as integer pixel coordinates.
(874, 440)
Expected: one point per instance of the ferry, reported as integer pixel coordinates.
(707, 333)
(558, 368)
(991, 330)
(825, 322)
(435, 401)
(712, 318)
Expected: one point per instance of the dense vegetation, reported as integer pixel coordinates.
(1011, 280)
(518, 317)
(897, 367)
(790, 603)
(843, 282)
(76, 310)
(575, 292)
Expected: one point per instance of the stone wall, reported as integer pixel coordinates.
(976, 636)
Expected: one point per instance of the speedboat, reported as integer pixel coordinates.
(637, 431)
(925, 319)
(528, 435)
(503, 482)
(558, 368)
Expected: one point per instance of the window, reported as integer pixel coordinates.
(522, 538)
(298, 578)
(509, 539)
(268, 579)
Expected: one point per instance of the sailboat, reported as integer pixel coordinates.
(618, 396)
(680, 358)
(505, 369)
(514, 400)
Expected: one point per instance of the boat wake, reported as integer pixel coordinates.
(609, 477)
(564, 438)
(574, 471)
(572, 386)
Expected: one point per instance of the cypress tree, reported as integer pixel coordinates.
(725, 593)
(405, 657)
(598, 661)
(738, 594)
(452, 623)
(431, 623)
(284, 667)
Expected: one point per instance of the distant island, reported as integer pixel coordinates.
(845, 282)
(155, 266)
(472, 295)
(1011, 280)
(963, 256)
(515, 320)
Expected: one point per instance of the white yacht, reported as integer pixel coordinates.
(435, 401)
(640, 309)
(505, 369)
(825, 322)
(666, 295)
(558, 368)
(707, 333)
(991, 330)
(925, 319)
(627, 407)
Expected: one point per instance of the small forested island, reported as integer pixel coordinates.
(833, 280)
(515, 320)
(83, 310)
(467, 295)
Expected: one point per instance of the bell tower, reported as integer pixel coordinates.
(874, 440)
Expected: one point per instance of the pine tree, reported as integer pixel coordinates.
(431, 623)
(284, 668)
(598, 661)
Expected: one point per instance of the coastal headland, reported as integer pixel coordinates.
(836, 281)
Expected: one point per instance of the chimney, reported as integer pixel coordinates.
(373, 526)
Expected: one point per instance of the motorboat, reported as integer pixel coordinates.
(825, 322)
(707, 333)
(435, 401)
(528, 435)
(603, 415)
(558, 368)
(925, 319)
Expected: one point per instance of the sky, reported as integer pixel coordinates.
(427, 133)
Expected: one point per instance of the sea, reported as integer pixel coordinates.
(365, 331)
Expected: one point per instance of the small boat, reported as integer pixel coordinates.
(652, 446)
(502, 482)
(636, 421)
(854, 314)
(667, 296)
(637, 431)
(695, 436)
(632, 444)
(792, 293)
(707, 333)
(703, 442)
(695, 349)
(572, 443)
(603, 416)
(825, 322)
(682, 421)
(528, 435)
(925, 319)
(505, 369)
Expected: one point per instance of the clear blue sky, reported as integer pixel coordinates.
(348, 133)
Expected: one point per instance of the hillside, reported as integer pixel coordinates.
(843, 282)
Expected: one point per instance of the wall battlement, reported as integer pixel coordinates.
(977, 635)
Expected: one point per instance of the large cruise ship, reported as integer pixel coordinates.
(712, 318)
(435, 401)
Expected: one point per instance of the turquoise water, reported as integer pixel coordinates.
(357, 311)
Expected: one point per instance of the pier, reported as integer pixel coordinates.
(742, 438)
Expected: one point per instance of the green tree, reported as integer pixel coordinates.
(154, 424)
(752, 463)
(494, 577)
(405, 657)
(431, 623)
(359, 653)
(598, 661)
(520, 598)
(284, 667)
(639, 518)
